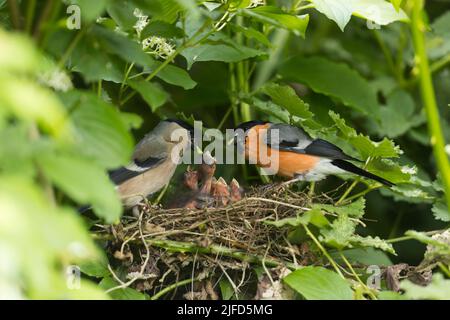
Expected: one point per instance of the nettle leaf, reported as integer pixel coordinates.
(340, 233)
(84, 181)
(219, 48)
(440, 211)
(314, 217)
(354, 209)
(151, 92)
(286, 97)
(278, 18)
(100, 130)
(366, 147)
(374, 242)
(333, 79)
(317, 283)
(270, 108)
(377, 11)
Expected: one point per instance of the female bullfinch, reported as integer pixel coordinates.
(154, 161)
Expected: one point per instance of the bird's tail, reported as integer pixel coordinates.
(350, 167)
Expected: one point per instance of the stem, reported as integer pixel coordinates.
(173, 287)
(42, 19)
(31, 8)
(324, 251)
(71, 47)
(349, 265)
(15, 14)
(266, 68)
(428, 96)
(387, 54)
(347, 192)
(177, 246)
(362, 193)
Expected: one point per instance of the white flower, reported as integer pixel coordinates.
(256, 3)
(142, 21)
(158, 46)
(447, 149)
(56, 79)
(409, 170)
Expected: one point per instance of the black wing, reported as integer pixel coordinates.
(322, 148)
(350, 167)
(123, 174)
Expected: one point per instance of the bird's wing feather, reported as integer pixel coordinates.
(134, 169)
(149, 153)
(326, 149)
(285, 137)
(294, 139)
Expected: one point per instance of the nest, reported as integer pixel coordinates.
(204, 241)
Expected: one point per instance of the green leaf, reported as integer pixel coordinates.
(90, 10)
(440, 211)
(270, 108)
(278, 18)
(251, 33)
(368, 256)
(172, 75)
(438, 289)
(121, 294)
(286, 97)
(100, 129)
(223, 50)
(333, 79)
(116, 43)
(398, 115)
(396, 4)
(162, 29)
(151, 92)
(83, 181)
(317, 283)
(95, 268)
(378, 11)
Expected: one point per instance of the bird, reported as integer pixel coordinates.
(154, 161)
(299, 157)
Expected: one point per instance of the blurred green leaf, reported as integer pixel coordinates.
(90, 10)
(85, 182)
(100, 129)
(377, 11)
(317, 283)
(172, 75)
(333, 79)
(162, 29)
(438, 289)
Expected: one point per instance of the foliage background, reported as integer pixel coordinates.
(72, 103)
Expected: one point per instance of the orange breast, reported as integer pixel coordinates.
(289, 163)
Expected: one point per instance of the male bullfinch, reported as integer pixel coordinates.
(154, 161)
(299, 157)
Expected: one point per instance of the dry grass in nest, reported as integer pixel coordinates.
(195, 243)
